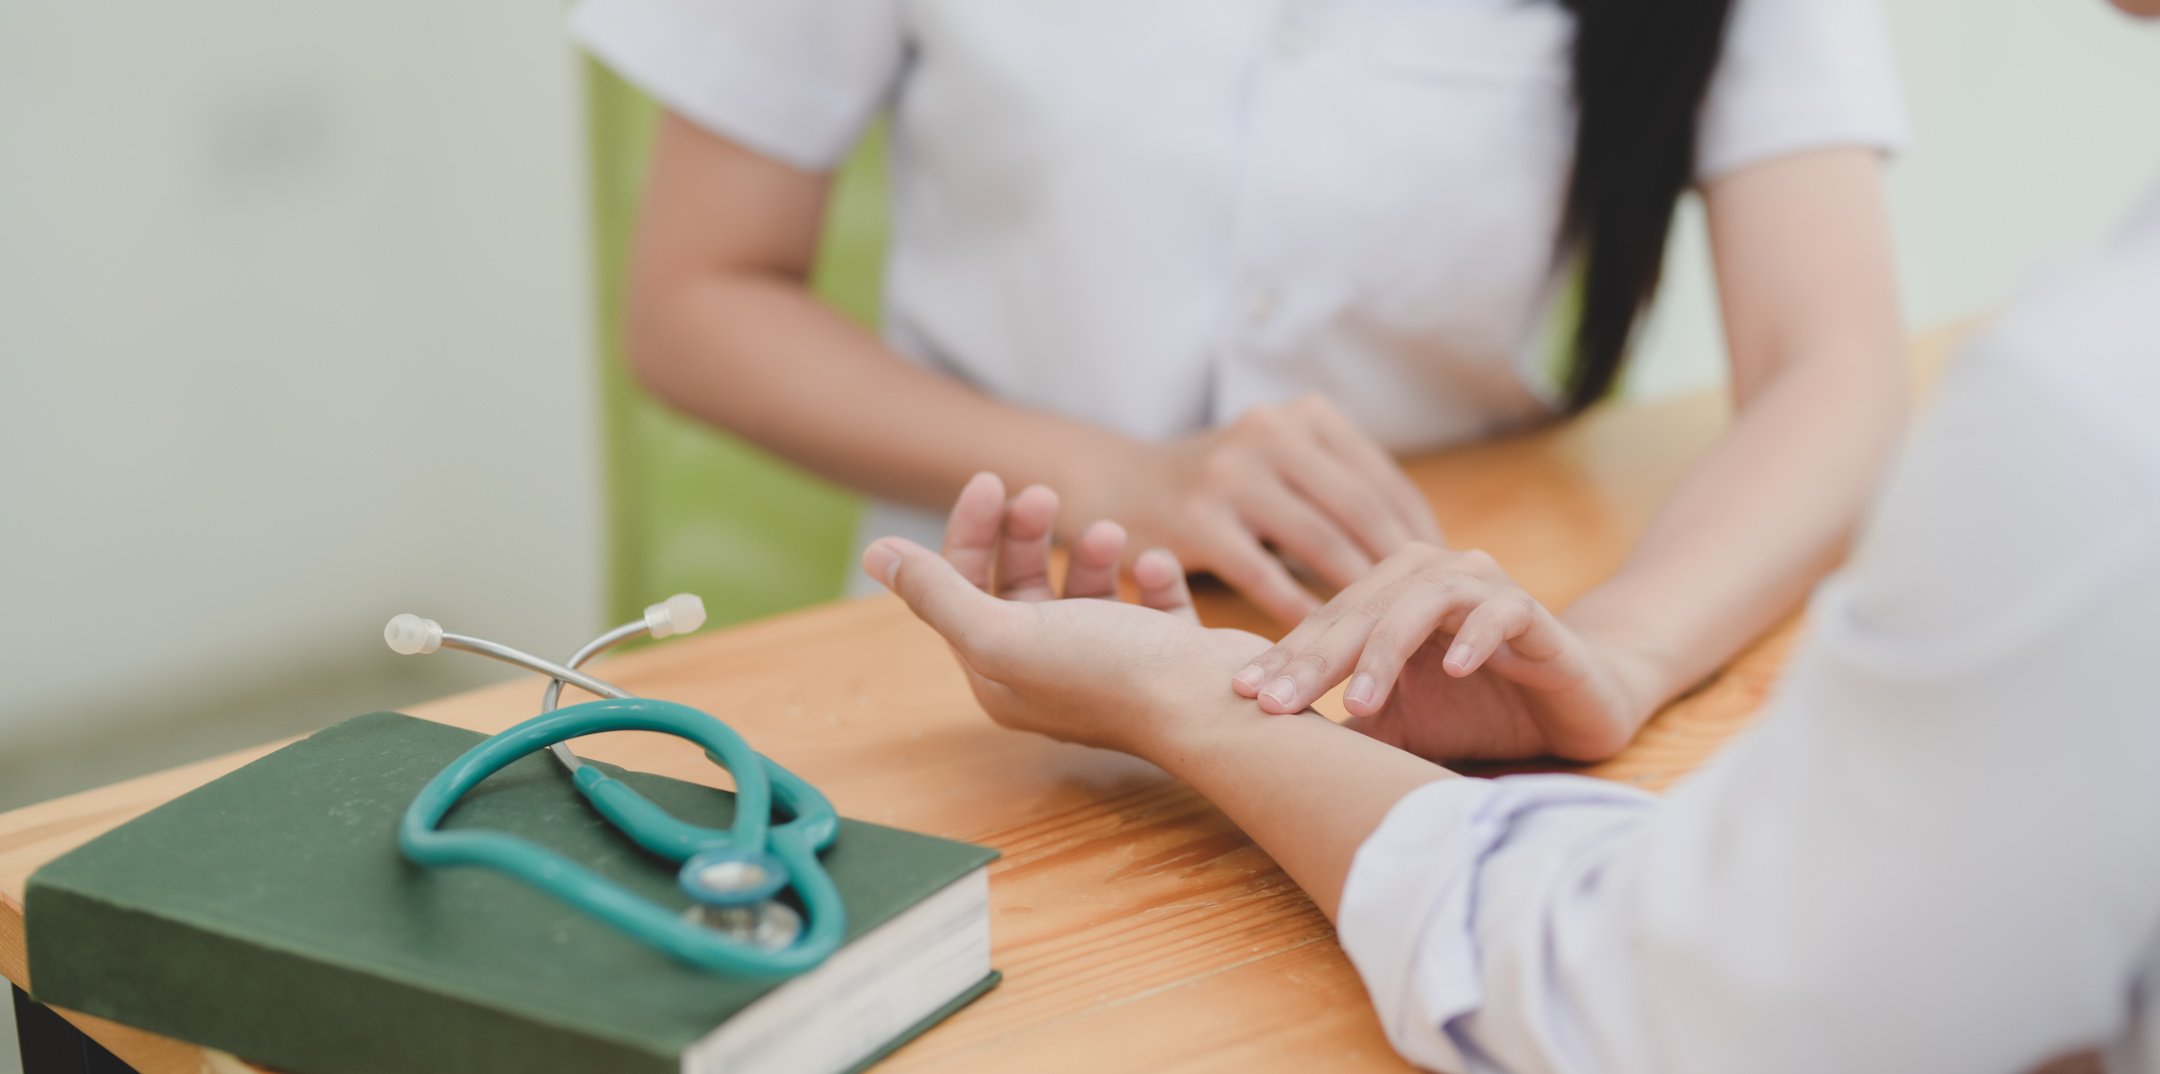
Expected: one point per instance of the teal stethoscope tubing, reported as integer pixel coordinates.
(811, 827)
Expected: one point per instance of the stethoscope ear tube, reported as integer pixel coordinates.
(811, 827)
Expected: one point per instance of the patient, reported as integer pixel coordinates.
(1939, 849)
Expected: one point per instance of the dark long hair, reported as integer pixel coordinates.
(1642, 68)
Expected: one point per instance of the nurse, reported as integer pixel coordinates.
(1206, 267)
(1938, 850)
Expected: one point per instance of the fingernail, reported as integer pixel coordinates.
(1249, 678)
(1458, 659)
(1361, 690)
(881, 563)
(1282, 692)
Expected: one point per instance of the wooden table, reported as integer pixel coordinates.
(1137, 928)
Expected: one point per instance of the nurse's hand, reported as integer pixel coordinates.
(1299, 479)
(1449, 659)
(1094, 671)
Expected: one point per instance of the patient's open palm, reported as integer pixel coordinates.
(1084, 668)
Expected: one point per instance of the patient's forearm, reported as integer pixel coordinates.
(1306, 790)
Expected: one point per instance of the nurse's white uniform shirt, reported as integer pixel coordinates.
(1940, 848)
(1155, 215)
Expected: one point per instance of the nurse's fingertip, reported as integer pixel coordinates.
(1362, 696)
(1280, 696)
(1462, 658)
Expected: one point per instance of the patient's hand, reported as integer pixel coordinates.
(1087, 668)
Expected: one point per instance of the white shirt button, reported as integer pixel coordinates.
(1260, 307)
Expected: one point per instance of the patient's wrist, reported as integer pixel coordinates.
(1194, 726)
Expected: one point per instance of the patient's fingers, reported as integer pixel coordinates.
(1023, 559)
(1092, 569)
(933, 588)
(971, 531)
(1160, 578)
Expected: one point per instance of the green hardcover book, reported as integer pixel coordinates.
(270, 914)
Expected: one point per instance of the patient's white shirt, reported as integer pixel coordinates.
(1939, 849)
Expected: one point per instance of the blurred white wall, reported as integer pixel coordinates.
(2035, 127)
(294, 334)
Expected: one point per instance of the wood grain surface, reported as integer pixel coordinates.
(1137, 928)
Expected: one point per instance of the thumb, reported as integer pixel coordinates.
(933, 589)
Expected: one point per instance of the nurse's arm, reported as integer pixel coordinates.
(721, 323)
(1809, 296)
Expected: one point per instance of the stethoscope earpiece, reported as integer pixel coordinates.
(410, 635)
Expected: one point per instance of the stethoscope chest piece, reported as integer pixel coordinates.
(728, 876)
(734, 892)
(771, 925)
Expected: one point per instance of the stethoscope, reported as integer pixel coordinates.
(736, 923)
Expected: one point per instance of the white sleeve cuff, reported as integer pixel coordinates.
(792, 81)
(1798, 125)
(1798, 75)
(1410, 911)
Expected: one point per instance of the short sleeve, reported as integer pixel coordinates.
(797, 80)
(1799, 75)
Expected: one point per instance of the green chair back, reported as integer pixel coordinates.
(691, 508)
